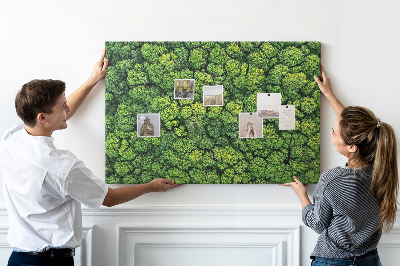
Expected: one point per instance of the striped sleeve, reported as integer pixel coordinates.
(345, 213)
(318, 216)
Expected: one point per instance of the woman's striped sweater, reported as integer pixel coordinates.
(345, 213)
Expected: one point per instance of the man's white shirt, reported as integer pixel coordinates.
(44, 188)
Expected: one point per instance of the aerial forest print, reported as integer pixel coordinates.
(198, 140)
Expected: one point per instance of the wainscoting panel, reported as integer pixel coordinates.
(83, 254)
(5, 249)
(389, 247)
(194, 236)
(256, 255)
(205, 245)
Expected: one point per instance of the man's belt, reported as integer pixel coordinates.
(53, 252)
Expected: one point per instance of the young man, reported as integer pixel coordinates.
(44, 187)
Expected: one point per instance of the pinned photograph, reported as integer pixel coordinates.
(148, 125)
(268, 105)
(184, 89)
(250, 126)
(213, 95)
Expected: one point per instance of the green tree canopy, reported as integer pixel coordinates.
(201, 144)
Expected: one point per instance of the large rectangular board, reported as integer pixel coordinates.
(200, 144)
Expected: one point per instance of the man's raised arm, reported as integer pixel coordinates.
(76, 98)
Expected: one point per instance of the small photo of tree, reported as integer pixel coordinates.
(184, 89)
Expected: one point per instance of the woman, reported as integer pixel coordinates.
(355, 203)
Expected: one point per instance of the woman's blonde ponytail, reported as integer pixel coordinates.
(385, 183)
(376, 143)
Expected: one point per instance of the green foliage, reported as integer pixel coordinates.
(152, 52)
(218, 56)
(277, 73)
(197, 58)
(200, 144)
(291, 56)
(269, 50)
(310, 66)
(234, 51)
(137, 76)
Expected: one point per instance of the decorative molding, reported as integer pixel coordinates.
(391, 239)
(389, 247)
(3, 236)
(3, 211)
(83, 254)
(195, 211)
(276, 251)
(282, 241)
(5, 249)
(125, 210)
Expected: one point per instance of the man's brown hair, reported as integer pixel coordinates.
(37, 96)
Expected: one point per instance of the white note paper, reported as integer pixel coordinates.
(287, 117)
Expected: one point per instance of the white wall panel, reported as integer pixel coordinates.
(389, 247)
(205, 236)
(5, 249)
(205, 245)
(83, 254)
(212, 255)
